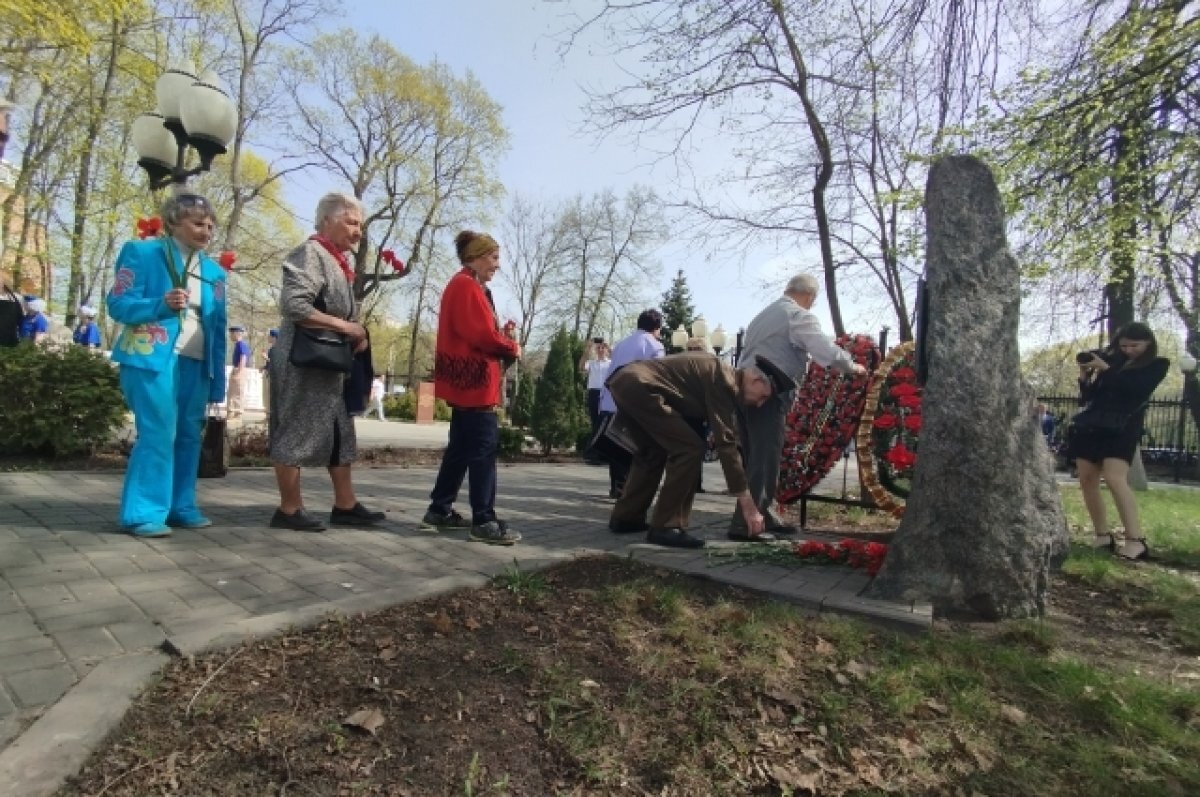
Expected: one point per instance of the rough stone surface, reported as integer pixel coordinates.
(984, 522)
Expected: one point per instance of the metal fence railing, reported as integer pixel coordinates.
(1169, 438)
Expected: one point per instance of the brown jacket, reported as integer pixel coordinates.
(695, 385)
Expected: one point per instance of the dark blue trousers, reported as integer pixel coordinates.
(471, 449)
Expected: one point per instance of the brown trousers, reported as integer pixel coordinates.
(666, 442)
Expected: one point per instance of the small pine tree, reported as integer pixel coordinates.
(677, 307)
(558, 413)
(522, 407)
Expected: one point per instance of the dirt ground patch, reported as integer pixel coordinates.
(604, 676)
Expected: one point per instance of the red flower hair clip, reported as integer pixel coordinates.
(149, 228)
(389, 257)
(227, 259)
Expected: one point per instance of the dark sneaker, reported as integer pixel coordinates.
(299, 520)
(673, 538)
(358, 516)
(495, 532)
(628, 526)
(439, 522)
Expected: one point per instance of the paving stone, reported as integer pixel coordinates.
(17, 626)
(268, 604)
(87, 643)
(31, 660)
(116, 614)
(94, 589)
(137, 635)
(7, 709)
(237, 589)
(47, 574)
(58, 610)
(153, 582)
(39, 595)
(43, 686)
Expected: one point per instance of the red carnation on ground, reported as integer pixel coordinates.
(149, 228)
(226, 260)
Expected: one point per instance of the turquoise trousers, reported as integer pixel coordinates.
(168, 409)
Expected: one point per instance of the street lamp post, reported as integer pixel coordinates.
(1187, 365)
(741, 339)
(679, 337)
(718, 339)
(191, 111)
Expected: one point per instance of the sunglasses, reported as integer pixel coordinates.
(192, 201)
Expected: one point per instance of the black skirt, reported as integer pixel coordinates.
(1098, 446)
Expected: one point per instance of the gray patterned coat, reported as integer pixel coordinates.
(309, 425)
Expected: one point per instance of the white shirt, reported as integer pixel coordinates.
(787, 335)
(641, 345)
(376, 389)
(597, 371)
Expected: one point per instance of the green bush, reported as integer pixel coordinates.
(404, 407)
(522, 405)
(401, 406)
(57, 402)
(558, 408)
(512, 442)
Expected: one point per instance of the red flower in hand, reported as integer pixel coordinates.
(885, 421)
(913, 423)
(149, 228)
(226, 260)
(389, 257)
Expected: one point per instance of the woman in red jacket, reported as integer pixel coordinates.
(467, 373)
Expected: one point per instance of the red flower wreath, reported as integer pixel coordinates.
(823, 419)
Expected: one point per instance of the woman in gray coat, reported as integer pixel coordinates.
(309, 424)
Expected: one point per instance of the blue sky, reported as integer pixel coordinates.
(510, 46)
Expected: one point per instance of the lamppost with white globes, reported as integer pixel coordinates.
(190, 111)
(718, 339)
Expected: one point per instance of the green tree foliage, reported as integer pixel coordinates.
(558, 410)
(1101, 156)
(57, 402)
(522, 407)
(677, 307)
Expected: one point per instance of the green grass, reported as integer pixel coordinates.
(1170, 518)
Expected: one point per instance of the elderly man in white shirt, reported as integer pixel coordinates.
(787, 334)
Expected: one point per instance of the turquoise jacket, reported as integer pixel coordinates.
(150, 327)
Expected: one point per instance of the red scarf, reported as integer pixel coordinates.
(337, 255)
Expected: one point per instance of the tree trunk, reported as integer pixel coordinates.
(984, 522)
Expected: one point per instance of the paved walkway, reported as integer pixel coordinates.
(76, 592)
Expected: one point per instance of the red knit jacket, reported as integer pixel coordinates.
(466, 368)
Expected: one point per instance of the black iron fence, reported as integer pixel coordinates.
(1170, 439)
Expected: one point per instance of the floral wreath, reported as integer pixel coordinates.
(889, 430)
(822, 420)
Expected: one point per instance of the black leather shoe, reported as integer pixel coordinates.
(358, 516)
(628, 526)
(673, 538)
(299, 520)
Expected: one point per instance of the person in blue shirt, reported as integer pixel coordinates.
(35, 326)
(87, 333)
(170, 296)
(237, 376)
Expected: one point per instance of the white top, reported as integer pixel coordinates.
(641, 345)
(376, 389)
(597, 371)
(191, 334)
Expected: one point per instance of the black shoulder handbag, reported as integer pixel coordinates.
(321, 349)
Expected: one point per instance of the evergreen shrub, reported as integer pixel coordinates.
(57, 402)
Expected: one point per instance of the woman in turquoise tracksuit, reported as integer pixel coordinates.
(170, 296)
